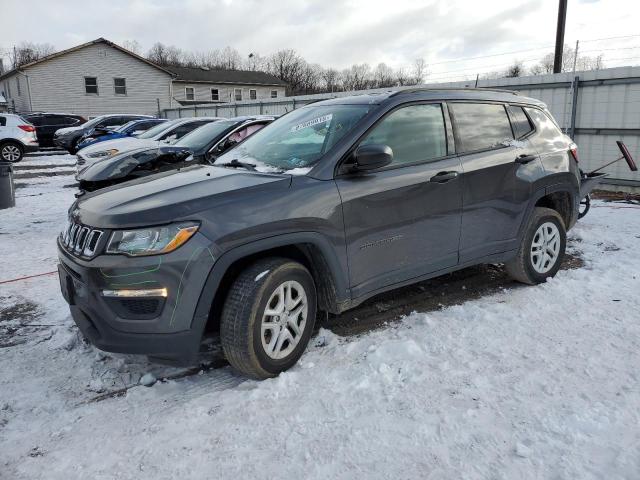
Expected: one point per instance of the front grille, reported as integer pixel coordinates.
(80, 240)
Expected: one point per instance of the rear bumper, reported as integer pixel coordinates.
(170, 330)
(31, 147)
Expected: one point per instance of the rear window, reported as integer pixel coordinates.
(481, 126)
(519, 121)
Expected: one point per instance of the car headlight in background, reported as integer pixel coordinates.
(152, 240)
(103, 153)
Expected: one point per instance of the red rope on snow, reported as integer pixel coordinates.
(25, 278)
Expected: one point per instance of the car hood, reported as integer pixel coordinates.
(169, 196)
(65, 130)
(120, 144)
(122, 164)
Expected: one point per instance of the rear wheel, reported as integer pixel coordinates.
(268, 317)
(542, 250)
(11, 152)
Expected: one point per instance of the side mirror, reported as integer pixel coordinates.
(371, 157)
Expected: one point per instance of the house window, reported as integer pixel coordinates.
(237, 92)
(8, 89)
(274, 93)
(253, 94)
(18, 86)
(190, 93)
(91, 85)
(120, 86)
(215, 95)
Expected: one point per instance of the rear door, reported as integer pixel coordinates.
(498, 172)
(402, 221)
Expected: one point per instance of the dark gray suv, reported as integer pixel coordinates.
(329, 205)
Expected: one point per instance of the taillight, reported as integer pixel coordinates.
(574, 152)
(27, 128)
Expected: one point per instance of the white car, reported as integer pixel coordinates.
(164, 133)
(17, 136)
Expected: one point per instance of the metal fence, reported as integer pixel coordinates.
(596, 108)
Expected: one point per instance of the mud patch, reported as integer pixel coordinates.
(16, 321)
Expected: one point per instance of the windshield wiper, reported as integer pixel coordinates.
(235, 163)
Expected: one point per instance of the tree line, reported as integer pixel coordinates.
(302, 76)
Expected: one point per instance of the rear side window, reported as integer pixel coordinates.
(519, 121)
(481, 126)
(415, 134)
(3, 121)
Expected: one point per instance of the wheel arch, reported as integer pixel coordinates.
(311, 249)
(563, 198)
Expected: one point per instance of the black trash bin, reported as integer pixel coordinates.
(7, 192)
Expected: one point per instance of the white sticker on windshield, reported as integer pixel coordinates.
(311, 123)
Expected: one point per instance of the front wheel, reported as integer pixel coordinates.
(268, 317)
(11, 152)
(542, 249)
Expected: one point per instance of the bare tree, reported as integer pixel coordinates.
(383, 76)
(289, 67)
(230, 59)
(419, 70)
(515, 70)
(401, 77)
(583, 62)
(133, 46)
(165, 55)
(331, 79)
(28, 52)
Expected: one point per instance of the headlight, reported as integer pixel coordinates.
(151, 241)
(103, 153)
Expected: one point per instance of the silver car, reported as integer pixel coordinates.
(17, 136)
(162, 134)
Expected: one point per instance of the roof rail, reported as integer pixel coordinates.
(477, 89)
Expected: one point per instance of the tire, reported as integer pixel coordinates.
(535, 260)
(246, 344)
(11, 152)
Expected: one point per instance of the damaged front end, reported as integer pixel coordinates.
(131, 165)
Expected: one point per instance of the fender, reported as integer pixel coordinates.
(572, 190)
(336, 267)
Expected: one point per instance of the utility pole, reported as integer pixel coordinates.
(575, 56)
(562, 17)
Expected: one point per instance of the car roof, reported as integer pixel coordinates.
(413, 94)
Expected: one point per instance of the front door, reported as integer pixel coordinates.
(403, 221)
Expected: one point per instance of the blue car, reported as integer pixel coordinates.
(131, 129)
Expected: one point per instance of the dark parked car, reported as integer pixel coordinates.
(130, 129)
(202, 145)
(68, 138)
(48, 123)
(324, 208)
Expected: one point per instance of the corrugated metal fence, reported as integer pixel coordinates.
(596, 108)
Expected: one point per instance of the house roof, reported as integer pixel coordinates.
(79, 47)
(235, 77)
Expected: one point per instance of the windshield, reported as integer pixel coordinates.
(93, 122)
(126, 126)
(161, 127)
(297, 140)
(205, 134)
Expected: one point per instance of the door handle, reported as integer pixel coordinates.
(525, 158)
(443, 177)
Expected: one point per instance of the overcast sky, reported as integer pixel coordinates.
(335, 33)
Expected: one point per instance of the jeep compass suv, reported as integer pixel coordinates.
(329, 205)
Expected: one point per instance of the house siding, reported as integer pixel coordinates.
(57, 85)
(18, 101)
(225, 91)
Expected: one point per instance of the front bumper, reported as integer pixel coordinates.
(169, 328)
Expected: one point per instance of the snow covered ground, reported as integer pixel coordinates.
(535, 382)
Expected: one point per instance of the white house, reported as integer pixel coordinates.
(100, 77)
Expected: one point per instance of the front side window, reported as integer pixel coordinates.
(481, 126)
(215, 94)
(298, 139)
(91, 85)
(237, 94)
(253, 94)
(274, 93)
(189, 93)
(120, 86)
(415, 133)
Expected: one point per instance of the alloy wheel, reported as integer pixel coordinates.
(10, 153)
(284, 319)
(545, 247)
